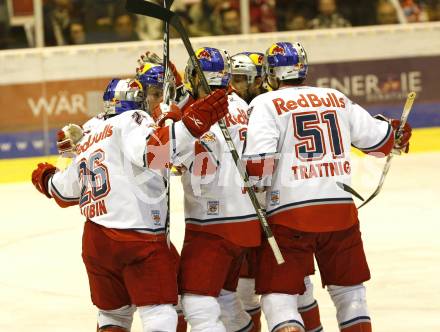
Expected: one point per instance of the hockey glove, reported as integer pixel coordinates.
(401, 140)
(41, 176)
(68, 137)
(154, 58)
(149, 57)
(163, 112)
(202, 114)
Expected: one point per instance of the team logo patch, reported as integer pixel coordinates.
(213, 208)
(274, 197)
(155, 215)
(208, 138)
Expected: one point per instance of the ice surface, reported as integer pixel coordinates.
(43, 284)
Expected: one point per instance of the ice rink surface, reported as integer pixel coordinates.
(43, 284)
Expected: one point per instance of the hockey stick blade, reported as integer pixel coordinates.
(153, 10)
(349, 189)
(403, 119)
(146, 8)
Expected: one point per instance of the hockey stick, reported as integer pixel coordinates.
(166, 99)
(406, 110)
(349, 189)
(150, 9)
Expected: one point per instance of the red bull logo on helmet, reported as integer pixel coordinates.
(277, 49)
(203, 54)
(257, 59)
(135, 84)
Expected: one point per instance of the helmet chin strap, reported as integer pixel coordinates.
(146, 106)
(271, 86)
(195, 88)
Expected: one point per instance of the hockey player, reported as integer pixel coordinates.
(298, 144)
(117, 178)
(246, 75)
(232, 312)
(220, 219)
(247, 82)
(151, 75)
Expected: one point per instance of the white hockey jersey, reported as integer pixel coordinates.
(215, 201)
(118, 174)
(304, 134)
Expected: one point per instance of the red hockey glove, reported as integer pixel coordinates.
(41, 176)
(68, 137)
(163, 112)
(205, 112)
(401, 141)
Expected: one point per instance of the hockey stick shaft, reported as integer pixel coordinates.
(166, 55)
(406, 110)
(153, 10)
(403, 119)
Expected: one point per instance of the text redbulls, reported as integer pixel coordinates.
(308, 100)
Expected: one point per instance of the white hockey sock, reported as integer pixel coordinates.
(202, 313)
(246, 293)
(233, 315)
(281, 310)
(350, 303)
(161, 317)
(122, 317)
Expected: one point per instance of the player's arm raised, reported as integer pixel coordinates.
(170, 143)
(61, 185)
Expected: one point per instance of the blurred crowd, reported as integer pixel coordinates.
(69, 22)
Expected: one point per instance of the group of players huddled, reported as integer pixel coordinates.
(295, 141)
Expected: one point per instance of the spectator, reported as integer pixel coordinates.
(98, 18)
(77, 33)
(434, 10)
(206, 17)
(386, 13)
(57, 17)
(124, 28)
(263, 18)
(328, 16)
(358, 12)
(187, 23)
(4, 25)
(286, 9)
(230, 21)
(413, 11)
(296, 21)
(149, 28)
